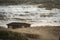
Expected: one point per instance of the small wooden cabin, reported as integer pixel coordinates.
(18, 25)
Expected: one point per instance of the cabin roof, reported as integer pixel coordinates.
(13, 23)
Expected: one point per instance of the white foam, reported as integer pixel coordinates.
(14, 11)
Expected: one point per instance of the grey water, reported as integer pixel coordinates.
(29, 14)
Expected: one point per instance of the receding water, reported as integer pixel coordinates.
(29, 14)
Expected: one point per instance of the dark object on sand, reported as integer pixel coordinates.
(18, 25)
